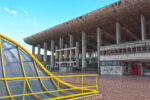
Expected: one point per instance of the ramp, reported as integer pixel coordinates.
(23, 77)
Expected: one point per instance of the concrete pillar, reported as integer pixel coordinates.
(56, 47)
(71, 45)
(39, 51)
(45, 54)
(83, 51)
(99, 42)
(60, 53)
(118, 33)
(33, 49)
(77, 54)
(143, 27)
(66, 46)
(52, 53)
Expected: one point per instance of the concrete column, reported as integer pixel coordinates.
(99, 42)
(56, 47)
(143, 27)
(83, 51)
(39, 51)
(52, 53)
(77, 54)
(71, 45)
(118, 33)
(60, 53)
(45, 54)
(66, 46)
(33, 49)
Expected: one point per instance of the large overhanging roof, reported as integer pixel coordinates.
(126, 12)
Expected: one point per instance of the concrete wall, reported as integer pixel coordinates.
(128, 57)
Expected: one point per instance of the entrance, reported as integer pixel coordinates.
(135, 70)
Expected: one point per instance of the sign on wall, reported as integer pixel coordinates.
(111, 70)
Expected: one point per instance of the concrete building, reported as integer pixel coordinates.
(116, 38)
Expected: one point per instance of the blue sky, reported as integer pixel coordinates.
(22, 18)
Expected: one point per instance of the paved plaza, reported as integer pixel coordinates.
(121, 87)
(124, 88)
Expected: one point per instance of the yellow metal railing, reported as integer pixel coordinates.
(80, 83)
(80, 87)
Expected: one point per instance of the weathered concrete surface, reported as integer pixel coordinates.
(126, 12)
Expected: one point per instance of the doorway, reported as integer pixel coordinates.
(135, 70)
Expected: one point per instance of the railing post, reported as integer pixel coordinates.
(82, 83)
(78, 81)
(24, 88)
(58, 87)
(96, 82)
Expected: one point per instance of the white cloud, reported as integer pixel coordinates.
(10, 11)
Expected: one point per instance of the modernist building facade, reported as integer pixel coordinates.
(118, 33)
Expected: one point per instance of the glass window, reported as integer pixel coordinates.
(3, 90)
(103, 63)
(110, 63)
(16, 86)
(139, 49)
(112, 51)
(129, 50)
(104, 52)
(144, 48)
(41, 72)
(1, 69)
(116, 51)
(124, 50)
(28, 65)
(116, 63)
(37, 87)
(120, 51)
(11, 60)
(134, 49)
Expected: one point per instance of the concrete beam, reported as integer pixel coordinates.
(83, 51)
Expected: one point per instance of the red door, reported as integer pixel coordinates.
(135, 70)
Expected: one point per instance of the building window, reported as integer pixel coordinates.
(124, 50)
(116, 51)
(129, 50)
(112, 51)
(134, 49)
(147, 69)
(104, 52)
(120, 51)
(144, 48)
(139, 49)
(103, 63)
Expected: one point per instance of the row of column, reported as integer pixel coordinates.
(99, 43)
(61, 53)
(143, 30)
